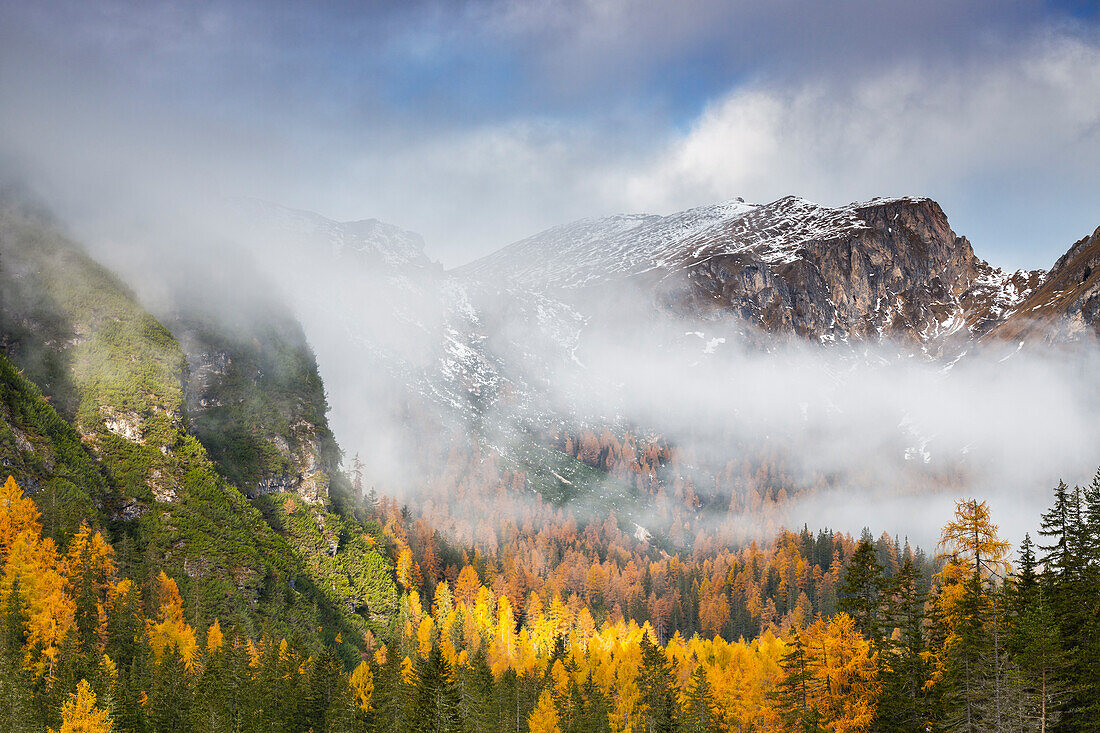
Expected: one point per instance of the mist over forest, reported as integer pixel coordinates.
(549, 367)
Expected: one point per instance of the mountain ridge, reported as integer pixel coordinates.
(789, 266)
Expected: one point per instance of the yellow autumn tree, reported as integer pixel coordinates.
(973, 557)
(34, 569)
(466, 586)
(90, 579)
(170, 631)
(544, 718)
(91, 561)
(848, 671)
(362, 686)
(79, 713)
(214, 638)
(18, 514)
(971, 538)
(404, 568)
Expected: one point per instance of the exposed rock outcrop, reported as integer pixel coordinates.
(1066, 307)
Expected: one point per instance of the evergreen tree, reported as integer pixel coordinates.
(169, 700)
(700, 710)
(475, 682)
(1072, 579)
(657, 685)
(860, 592)
(328, 705)
(435, 700)
(390, 692)
(133, 683)
(796, 687)
(903, 704)
(593, 717)
(16, 711)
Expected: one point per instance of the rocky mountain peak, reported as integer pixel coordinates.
(886, 267)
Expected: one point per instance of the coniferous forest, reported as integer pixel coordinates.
(979, 636)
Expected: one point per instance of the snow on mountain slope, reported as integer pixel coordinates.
(1065, 306)
(890, 267)
(591, 251)
(567, 330)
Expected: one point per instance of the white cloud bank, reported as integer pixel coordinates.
(1024, 123)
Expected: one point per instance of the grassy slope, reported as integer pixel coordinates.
(46, 454)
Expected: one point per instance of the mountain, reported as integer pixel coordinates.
(501, 347)
(885, 268)
(111, 416)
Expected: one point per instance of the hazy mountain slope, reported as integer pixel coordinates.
(121, 378)
(37, 445)
(256, 402)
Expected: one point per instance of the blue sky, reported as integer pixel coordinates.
(479, 123)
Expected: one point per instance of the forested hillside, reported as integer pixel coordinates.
(990, 645)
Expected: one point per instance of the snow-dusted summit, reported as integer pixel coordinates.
(887, 267)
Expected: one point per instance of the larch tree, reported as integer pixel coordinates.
(79, 713)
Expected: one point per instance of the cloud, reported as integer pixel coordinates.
(885, 440)
(480, 123)
(1016, 132)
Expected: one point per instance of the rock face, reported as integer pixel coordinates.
(256, 401)
(1066, 306)
(885, 268)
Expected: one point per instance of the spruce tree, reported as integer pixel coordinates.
(700, 710)
(594, 713)
(169, 700)
(903, 703)
(435, 700)
(328, 706)
(391, 693)
(861, 590)
(475, 682)
(1072, 567)
(797, 686)
(16, 711)
(657, 685)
